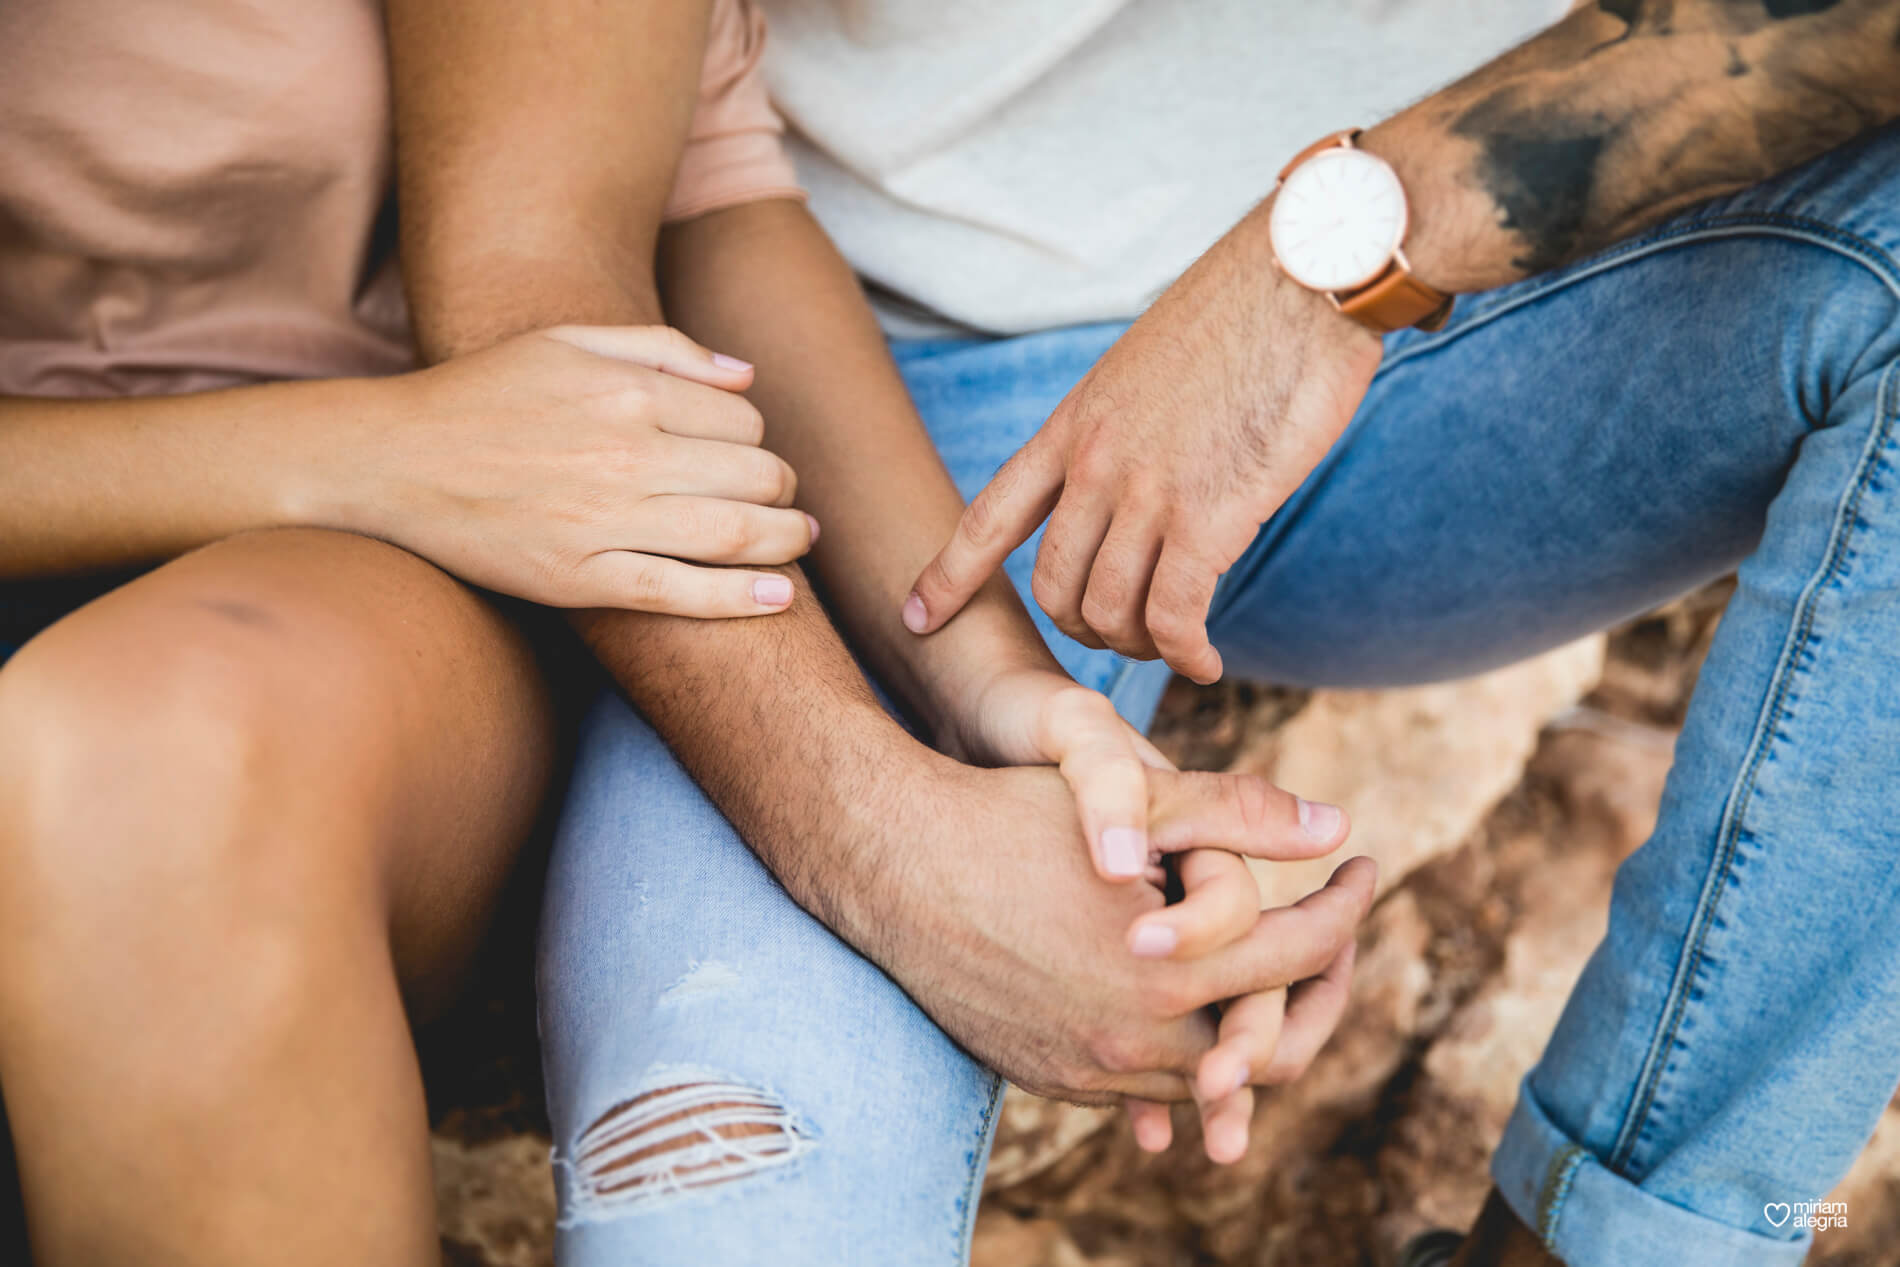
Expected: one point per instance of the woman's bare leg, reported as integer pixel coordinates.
(249, 805)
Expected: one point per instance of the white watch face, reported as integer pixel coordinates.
(1337, 219)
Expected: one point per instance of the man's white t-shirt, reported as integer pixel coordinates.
(1013, 165)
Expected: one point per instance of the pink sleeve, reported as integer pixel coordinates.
(733, 152)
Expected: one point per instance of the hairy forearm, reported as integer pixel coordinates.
(762, 281)
(1626, 112)
(775, 721)
(557, 224)
(535, 145)
(772, 716)
(92, 484)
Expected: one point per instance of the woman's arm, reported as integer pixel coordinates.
(93, 484)
(574, 467)
(765, 281)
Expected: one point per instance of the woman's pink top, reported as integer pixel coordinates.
(190, 191)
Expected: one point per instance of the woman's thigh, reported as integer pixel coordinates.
(298, 676)
(729, 1082)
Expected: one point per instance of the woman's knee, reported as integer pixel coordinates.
(269, 743)
(175, 759)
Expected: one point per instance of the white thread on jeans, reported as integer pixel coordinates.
(711, 977)
(677, 1138)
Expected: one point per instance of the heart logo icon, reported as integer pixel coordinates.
(1776, 1212)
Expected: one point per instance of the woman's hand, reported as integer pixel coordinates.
(1041, 716)
(1037, 715)
(577, 467)
(1265, 1038)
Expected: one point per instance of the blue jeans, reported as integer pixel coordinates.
(1567, 452)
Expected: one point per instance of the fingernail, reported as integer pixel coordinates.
(772, 591)
(732, 363)
(915, 617)
(1124, 850)
(1318, 820)
(1154, 941)
(1240, 1079)
(813, 521)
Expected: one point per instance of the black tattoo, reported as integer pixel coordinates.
(1797, 8)
(1541, 174)
(1630, 109)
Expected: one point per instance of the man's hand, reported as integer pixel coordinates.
(1163, 463)
(998, 928)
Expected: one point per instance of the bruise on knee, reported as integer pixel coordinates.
(683, 1132)
(240, 613)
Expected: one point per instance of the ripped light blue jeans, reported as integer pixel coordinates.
(1565, 453)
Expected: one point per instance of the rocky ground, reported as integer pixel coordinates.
(1498, 809)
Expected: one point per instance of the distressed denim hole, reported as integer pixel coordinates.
(679, 1138)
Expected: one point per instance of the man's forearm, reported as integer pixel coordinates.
(774, 720)
(772, 716)
(1624, 113)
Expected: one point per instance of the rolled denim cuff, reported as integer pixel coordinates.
(1590, 1216)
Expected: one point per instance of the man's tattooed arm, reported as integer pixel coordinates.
(1627, 111)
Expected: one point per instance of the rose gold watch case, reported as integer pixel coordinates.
(1391, 298)
(1320, 154)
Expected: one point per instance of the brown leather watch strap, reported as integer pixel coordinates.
(1345, 136)
(1396, 300)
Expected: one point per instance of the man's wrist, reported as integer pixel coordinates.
(870, 800)
(1429, 246)
(1296, 302)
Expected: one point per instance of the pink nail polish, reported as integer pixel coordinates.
(1154, 941)
(1319, 821)
(732, 363)
(915, 617)
(1124, 850)
(772, 591)
(813, 521)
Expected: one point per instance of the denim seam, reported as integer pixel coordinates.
(1869, 255)
(1557, 1181)
(979, 1166)
(1767, 733)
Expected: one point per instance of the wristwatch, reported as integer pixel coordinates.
(1338, 225)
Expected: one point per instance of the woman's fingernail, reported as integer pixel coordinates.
(732, 363)
(772, 591)
(813, 521)
(1154, 941)
(915, 617)
(1318, 820)
(1240, 1078)
(1124, 850)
